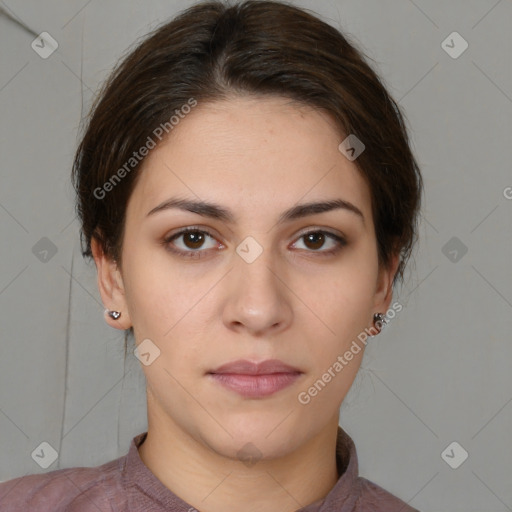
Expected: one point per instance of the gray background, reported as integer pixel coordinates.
(438, 373)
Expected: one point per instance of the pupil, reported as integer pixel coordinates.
(198, 236)
(319, 239)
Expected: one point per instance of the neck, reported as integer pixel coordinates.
(211, 482)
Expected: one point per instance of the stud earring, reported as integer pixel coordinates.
(379, 320)
(113, 314)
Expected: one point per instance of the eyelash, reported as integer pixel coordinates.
(192, 253)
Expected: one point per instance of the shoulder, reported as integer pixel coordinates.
(79, 489)
(375, 498)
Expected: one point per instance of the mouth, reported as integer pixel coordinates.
(255, 380)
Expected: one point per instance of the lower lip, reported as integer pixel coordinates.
(256, 386)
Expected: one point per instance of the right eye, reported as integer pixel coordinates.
(192, 243)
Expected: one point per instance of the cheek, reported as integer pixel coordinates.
(344, 295)
(170, 308)
(335, 352)
(340, 306)
(155, 290)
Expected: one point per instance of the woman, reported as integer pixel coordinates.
(247, 191)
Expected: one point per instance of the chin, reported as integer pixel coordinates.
(255, 436)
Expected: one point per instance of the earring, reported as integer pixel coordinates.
(379, 320)
(113, 314)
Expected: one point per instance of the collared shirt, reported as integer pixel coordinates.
(126, 484)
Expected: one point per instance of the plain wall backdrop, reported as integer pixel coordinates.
(438, 374)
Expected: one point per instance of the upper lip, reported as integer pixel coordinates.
(245, 367)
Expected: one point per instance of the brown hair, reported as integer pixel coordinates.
(213, 50)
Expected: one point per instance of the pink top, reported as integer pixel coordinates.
(127, 485)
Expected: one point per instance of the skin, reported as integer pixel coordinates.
(257, 157)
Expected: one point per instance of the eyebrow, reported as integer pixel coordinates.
(215, 211)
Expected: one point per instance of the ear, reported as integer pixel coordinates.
(384, 288)
(111, 287)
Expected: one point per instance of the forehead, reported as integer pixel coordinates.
(253, 154)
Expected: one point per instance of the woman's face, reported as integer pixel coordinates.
(254, 287)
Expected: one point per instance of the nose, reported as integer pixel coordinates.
(257, 299)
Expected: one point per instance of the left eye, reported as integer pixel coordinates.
(318, 238)
(193, 241)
